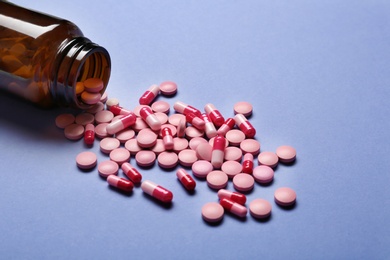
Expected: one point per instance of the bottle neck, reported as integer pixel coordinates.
(78, 60)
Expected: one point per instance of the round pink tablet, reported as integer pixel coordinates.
(260, 208)
(162, 117)
(244, 108)
(84, 119)
(168, 88)
(268, 158)
(99, 106)
(204, 151)
(64, 120)
(125, 135)
(104, 116)
(231, 168)
(107, 168)
(93, 85)
(161, 106)
(74, 131)
(159, 147)
(86, 160)
(120, 155)
(201, 168)
(192, 132)
(194, 142)
(233, 154)
(146, 138)
(175, 119)
(187, 157)
(235, 137)
(145, 158)
(108, 144)
(286, 153)
(243, 182)
(167, 160)
(179, 144)
(132, 146)
(139, 124)
(250, 146)
(285, 196)
(212, 212)
(100, 130)
(217, 179)
(90, 98)
(263, 174)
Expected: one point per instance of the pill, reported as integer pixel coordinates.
(181, 128)
(121, 124)
(158, 147)
(90, 98)
(233, 154)
(194, 142)
(111, 102)
(157, 191)
(145, 158)
(204, 151)
(285, 196)
(209, 127)
(217, 179)
(231, 168)
(201, 168)
(234, 207)
(250, 146)
(93, 85)
(108, 144)
(118, 110)
(104, 116)
(186, 179)
(226, 126)
(235, 137)
(84, 119)
(139, 124)
(132, 173)
(175, 119)
(162, 117)
(268, 158)
(211, 142)
(104, 98)
(74, 132)
(120, 183)
(63, 120)
(212, 212)
(168, 88)
(187, 157)
(79, 88)
(138, 108)
(195, 121)
(100, 130)
(214, 114)
(232, 195)
(167, 160)
(217, 154)
(160, 106)
(171, 127)
(192, 132)
(150, 118)
(107, 168)
(184, 108)
(243, 182)
(245, 126)
(132, 146)
(167, 138)
(125, 135)
(263, 174)
(99, 106)
(260, 208)
(244, 108)
(179, 144)
(86, 160)
(286, 153)
(89, 134)
(247, 163)
(146, 138)
(120, 155)
(149, 95)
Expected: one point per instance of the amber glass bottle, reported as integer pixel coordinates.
(43, 57)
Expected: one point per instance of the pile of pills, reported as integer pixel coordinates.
(214, 148)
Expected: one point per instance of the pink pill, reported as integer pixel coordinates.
(244, 108)
(218, 151)
(120, 183)
(89, 134)
(184, 108)
(286, 153)
(145, 158)
(131, 173)
(175, 119)
(194, 142)
(214, 114)
(120, 155)
(209, 126)
(233, 154)
(101, 131)
(157, 191)
(149, 95)
(138, 108)
(268, 158)
(204, 151)
(108, 144)
(139, 125)
(234, 207)
(250, 146)
(181, 128)
(187, 157)
(243, 182)
(121, 124)
(107, 168)
(74, 132)
(84, 119)
(192, 132)
(171, 127)
(90, 98)
(132, 146)
(226, 126)
(159, 147)
(211, 142)
(146, 138)
(186, 179)
(93, 85)
(231, 168)
(161, 106)
(118, 110)
(179, 144)
(64, 120)
(217, 179)
(195, 121)
(163, 118)
(125, 135)
(167, 137)
(168, 88)
(201, 168)
(235, 137)
(233, 196)
(247, 164)
(103, 116)
(263, 174)
(86, 160)
(285, 196)
(212, 212)
(167, 160)
(260, 208)
(245, 126)
(150, 118)
(99, 106)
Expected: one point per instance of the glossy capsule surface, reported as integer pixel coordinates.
(195, 121)
(149, 95)
(234, 207)
(156, 191)
(167, 137)
(247, 164)
(132, 173)
(218, 152)
(150, 118)
(232, 195)
(120, 183)
(245, 126)
(214, 114)
(122, 123)
(184, 108)
(118, 110)
(89, 134)
(226, 126)
(209, 127)
(186, 179)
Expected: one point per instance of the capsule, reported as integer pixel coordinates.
(149, 95)
(213, 113)
(186, 179)
(89, 134)
(227, 126)
(118, 110)
(157, 191)
(232, 195)
(181, 128)
(120, 183)
(234, 207)
(150, 118)
(195, 121)
(218, 151)
(122, 123)
(185, 109)
(167, 137)
(131, 172)
(247, 164)
(209, 127)
(245, 126)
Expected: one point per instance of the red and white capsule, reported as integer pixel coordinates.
(218, 152)
(120, 124)
(232, 195)
(245, 126)
(150, 118)
(234, 207)
(157, 191)
(120, 183)
(247, 163)
(209, 127)
(227, 126)
(89, 134)
(131, 172)
(118, 110)
(185, 109)
(149, 95)
(214, 114)
(186, 179)
(167, 137)
(196, 121)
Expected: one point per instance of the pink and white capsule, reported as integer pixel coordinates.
(214, 114)
(232, 195)
(196, 121)
(118, 110)
(120, 124)
(167, 137)
(157, 191)
(186, 179)
(247, 164)
(149, 95)
(150, 118)
(120, 183)
(245, 126)
(185, 109)
(234, 207)
(89, 134)
(218, 152)
(131, 172)
(227, 126)
(209, 127)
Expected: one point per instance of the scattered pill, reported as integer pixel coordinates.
(263, 174)
(175, 119)
(226, 126)
(195, 121)
(232, 195)
(285, 196)
(247, 163)
(171, 127)
(132, 173)
(161, 106)
(201, 168)
(150, 118)
(125, 135)
(217, 179)
(139, 125)
(186, 179)
(167, 160)
(217, 154)
(84, 119)
(107, 168)
(101, 131)
(74, 132)
(89, 134)
(181, 128)
(167, 138)
(145, 158)
(233, 154)
(245, 126)
(146, 138)
(93, 85)
(235, 137)
(234, 207)
(118, 110)
(168, 88)
(209, 127)
(214, 114)
(108, 144)
(243, 182)
(212, 212)
(158, 147)
(260, 208)
(187, 157)
(286, 153)
(231, 168)
(179, 144)
(183, 108)
(120, 155)
(204, 151)
(157, 191)
(192, 132)
(250, 146)
(90, 98)
(244, 108)
(268, 158)
(121, 124)
(86, 160)
(104, 116)
(149, 95)
(162, 117)
(194, 142)
(120, 183)
(63, 120)
(132, 146)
